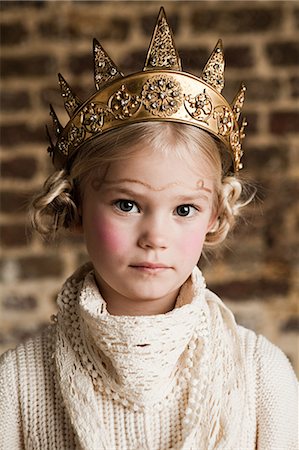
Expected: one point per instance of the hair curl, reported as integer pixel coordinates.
(58, 205)
(228, 207)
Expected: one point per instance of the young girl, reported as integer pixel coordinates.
(141, 354)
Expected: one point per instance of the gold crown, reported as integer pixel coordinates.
(162, 91)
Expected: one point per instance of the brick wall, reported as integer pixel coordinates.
(257, 273)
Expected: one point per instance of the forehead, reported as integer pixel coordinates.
(160, 169)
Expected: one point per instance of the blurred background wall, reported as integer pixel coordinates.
(257, 273)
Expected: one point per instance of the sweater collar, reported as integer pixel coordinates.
(141, 356)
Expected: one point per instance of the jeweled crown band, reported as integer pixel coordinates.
(162, 91)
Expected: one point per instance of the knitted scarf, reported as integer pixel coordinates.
(191, 355)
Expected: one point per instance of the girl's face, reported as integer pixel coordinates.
(144, 227)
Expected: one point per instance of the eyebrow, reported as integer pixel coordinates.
(189, 198)
(199, 185)
(192, 198)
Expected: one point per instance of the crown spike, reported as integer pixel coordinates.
(105, 69)
(162, 53)
(213, 72)
(238, 101)
(58, 128)
(71, 101)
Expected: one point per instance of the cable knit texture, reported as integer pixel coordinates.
(190, 379)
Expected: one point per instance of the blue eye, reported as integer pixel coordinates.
(184, 210)
(126, 206)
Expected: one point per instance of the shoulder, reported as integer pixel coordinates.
(276, 392)
(266, 356)
(28, 357)
(23, 376)
(276, 380)
(263, 360)
(276, 398)
(269, 359)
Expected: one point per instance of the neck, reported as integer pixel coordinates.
(138, 308)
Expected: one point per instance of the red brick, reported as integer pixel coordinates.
(12, 33)
(229, 20)
(294, 81)
(133, 61)
(12, 4)
(262, 89)
(283, 53)
(117, 29)
(35, 266)
(261, 289)
(252, 119)
(238, 56)
(19, 302)
(22, 133)
(194, 59)
(14, 235)
(30, 66)
(113, 28)
(57, 30)
(15, 202)
(79, 64)
(40, 267)
(264, 161)
(19, 167)
(282, 122)
(14, 100)
(282, 194)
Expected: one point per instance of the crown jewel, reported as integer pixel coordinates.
(104, 68)
(162, 53)
(162, 91)
(213, 72)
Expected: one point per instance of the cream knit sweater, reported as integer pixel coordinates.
(188, 379)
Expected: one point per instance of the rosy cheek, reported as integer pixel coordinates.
(192, 244)
(110, 236)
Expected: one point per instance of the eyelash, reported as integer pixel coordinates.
(117, 203)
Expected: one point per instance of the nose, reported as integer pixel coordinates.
(153, 234)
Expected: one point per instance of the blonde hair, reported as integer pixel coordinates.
(57, 206)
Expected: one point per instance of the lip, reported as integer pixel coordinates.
(150, 266)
